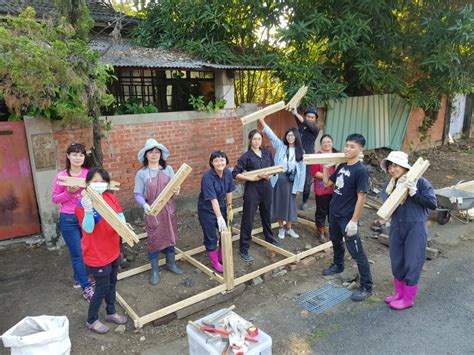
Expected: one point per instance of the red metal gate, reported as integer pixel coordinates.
(18, 209)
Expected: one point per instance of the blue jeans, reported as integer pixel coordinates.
(71, 232)
(154, 255)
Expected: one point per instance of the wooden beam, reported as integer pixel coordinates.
(314, 250)
(227, 260)
(326, 158)
(200, 266)
(129, 310)
(399, 194)
(72, 181)
(265, 269)
(112, 217)
(306, 222)
(270, 246)
(271, 170)
(296, 99)
(262, 113)
(182, 304)
(238, 209)
(167, 192)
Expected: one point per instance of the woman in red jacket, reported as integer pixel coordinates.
(101, 251)
(322, 194)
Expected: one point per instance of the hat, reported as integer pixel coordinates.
(397, 157)
(311, 110)
(150, 144)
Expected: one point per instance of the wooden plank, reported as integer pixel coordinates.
(262, 113)
(399, 195)
(314, 250)
(139, 236)
(238, 209)
(129, 310)
(270, 246)
(326, 158)
(200, 266)
(182, 304)
(167, 192)
(112, 218)
(306, 222)
(265, 269)
(296, 99)
(271, 170)
(72, 181)
(227, 259)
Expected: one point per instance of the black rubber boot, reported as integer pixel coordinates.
(171, 264)
(155, 271)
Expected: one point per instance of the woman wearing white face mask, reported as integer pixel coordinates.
(101, 250)
(68, 198)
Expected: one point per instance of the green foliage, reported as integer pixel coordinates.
(198, 103)
(47, 69)
(134, 107)
(417, 49)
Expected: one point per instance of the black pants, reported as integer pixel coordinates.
(322, 210)
(105, 284)
(308, 181)
(256, 194)
(337, 228)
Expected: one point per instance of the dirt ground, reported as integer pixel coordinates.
(36, 281)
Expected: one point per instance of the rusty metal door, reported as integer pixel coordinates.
(18, 209)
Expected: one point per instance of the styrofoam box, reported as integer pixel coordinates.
(198, 346)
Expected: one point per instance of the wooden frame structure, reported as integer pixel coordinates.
(227, 282)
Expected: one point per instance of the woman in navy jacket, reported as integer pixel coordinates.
(408, 231)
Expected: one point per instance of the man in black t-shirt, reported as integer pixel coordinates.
(309, 132)
(351, 183)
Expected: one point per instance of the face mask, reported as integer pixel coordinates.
(99, 187)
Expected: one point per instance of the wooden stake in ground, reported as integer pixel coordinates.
(399, 194)
(72, 181)
(272, 170)
(227, 259)
(112, 218)
(326, 158)
(167, 192)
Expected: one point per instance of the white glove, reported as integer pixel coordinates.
(147, 208)
(221, 224)
(402, 179)
(351, 228)
(411, 187)
(176, 190)
(86, 202)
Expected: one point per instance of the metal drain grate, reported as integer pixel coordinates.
(322, 298)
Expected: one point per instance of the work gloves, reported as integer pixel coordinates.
(221, 224)
(147, 208)
(86, 202)
(411, 185)
(351, 229)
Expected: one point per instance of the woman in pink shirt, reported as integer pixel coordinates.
(322, 194)
(68, 198)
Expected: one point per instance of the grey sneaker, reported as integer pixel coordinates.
(246, 257)
(361, 294)
(333, 269)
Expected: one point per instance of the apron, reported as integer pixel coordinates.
(162, 230)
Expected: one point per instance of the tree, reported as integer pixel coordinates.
(417, 49)
(47, 69)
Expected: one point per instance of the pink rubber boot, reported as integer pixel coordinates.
(408, 299)
(398, 291)
(219, 254)
(212, 255)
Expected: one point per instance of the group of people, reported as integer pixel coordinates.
(340, 192)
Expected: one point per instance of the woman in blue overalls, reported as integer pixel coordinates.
(214, 199)
(408, 231)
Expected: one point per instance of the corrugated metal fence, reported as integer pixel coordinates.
(382, 119)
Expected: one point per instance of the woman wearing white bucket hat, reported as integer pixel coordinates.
(162, 230)
(408, 232)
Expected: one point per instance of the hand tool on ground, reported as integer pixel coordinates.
(211, 321)
(224, 332)
(252, 331)
(211, 337)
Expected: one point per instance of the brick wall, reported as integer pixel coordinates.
(412, 141)
(189, 136)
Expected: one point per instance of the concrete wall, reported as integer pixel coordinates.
(224, 87)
